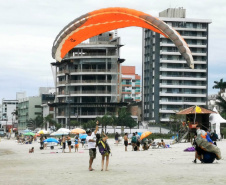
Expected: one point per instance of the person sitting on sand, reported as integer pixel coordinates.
(146, 146)
(31, 150)
(162, 144)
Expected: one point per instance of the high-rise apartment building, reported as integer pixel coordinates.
(88, 80)
(168, 83)
(130, 84)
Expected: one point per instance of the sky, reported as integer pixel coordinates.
(29, 27)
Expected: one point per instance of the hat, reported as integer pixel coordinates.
(88, 131)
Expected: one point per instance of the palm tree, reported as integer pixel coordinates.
(222, 103)
(220, 85)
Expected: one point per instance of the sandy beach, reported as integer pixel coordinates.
(155, 166)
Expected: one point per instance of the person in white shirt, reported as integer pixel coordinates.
(91, 141)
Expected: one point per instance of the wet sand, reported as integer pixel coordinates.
(155, 166)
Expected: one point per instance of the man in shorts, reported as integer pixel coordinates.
(91, 141)
(126, 141)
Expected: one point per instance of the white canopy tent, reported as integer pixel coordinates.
(216, 120)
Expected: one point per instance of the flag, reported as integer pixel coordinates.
(198, 109)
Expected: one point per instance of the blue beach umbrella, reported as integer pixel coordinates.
(139, 133)
(51, 140)
(82, 136)
(27, 130)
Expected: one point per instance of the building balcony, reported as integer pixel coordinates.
(196, 37)
(189, 45)
(182, 78)
(81, 71)
(163, 52)
(182, 69)
(189, 86)
(180, 61)
(180, 102)
(180, 94)
(92, 55)
(86, 82)
(189, 29)
(168, 110)
(82, 115)
(85, 93)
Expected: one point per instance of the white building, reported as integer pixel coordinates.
(168, 83)
(8, 113)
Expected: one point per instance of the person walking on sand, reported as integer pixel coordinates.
(104, 149)
(116, 138)
(126, 141)
(91, 141)
(63, 143)
(69, 143)
(134, 141)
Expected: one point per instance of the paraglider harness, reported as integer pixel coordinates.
(103, 147)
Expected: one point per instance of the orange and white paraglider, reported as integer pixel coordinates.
(107, 19)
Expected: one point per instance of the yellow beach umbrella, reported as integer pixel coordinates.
(43, 132)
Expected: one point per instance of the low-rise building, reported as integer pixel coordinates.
(131, 89)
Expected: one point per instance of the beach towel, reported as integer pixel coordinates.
(189, 149)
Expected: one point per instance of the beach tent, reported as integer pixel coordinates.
(216, 120)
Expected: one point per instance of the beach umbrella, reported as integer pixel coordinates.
(59, 133)
(27, 130)
(139, 133)
(43, 132)
(29, 134)
(37, 134)
(51, 140)
(78, 131)
(63, 130)
(82, 136)
(145, 134)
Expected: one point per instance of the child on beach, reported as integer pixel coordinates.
(31, 150)
(104, 149)
(76, 143)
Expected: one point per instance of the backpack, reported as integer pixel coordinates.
(134, 139)
(103, 147)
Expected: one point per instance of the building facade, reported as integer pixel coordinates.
(131, 89)
(28, 109)
(88, 80)
(168, 83)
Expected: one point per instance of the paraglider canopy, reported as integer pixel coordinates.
(107, 19)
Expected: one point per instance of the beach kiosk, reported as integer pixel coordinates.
(195, 116)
